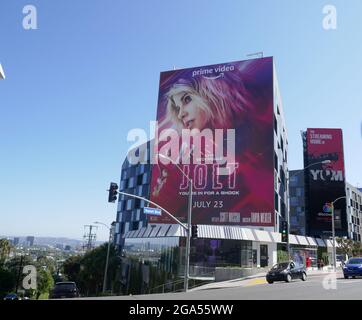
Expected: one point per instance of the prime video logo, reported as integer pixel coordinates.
(209, 73)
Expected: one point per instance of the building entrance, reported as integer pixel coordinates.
(264, 255)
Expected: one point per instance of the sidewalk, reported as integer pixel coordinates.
(240, 282)
(257, 279)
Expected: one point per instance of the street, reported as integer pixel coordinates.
(317, 287)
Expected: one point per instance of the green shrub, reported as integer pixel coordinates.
(282, 256)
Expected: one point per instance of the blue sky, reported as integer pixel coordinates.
(89, 74)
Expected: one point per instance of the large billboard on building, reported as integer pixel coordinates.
(325, 181)
(216, 123)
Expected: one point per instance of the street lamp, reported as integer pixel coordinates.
(288, 179)
(189, 221)
(333, 234)
(109, 245)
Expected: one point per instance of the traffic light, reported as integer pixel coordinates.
(194, 231)
(112, 197)
(284, 231)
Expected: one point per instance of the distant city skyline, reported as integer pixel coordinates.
(89, 73)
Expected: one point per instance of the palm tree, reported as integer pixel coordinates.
(5, 248)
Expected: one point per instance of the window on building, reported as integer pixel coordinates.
(129, 204)
(131, 182)
(246, 259)
(282, 175)
(276, 164)
(283, 211)
(122, 185)
(137, 203)
(276, 201)
(299, 192)
(139, 179)
(275, 125)
(135, 225)
(145, 178)
(293, 201)
(275, 180)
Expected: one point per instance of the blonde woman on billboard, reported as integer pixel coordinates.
(202, 103)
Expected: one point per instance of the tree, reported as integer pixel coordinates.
(45, 262)
(5, 248)
(345, 245)
(356, 249)
(7, 282)
(282, 256)
(72, 267)
(44, 282)
(88, 270)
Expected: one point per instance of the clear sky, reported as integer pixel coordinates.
(90, 72)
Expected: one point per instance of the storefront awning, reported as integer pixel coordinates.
(312, 241)
(293, 239)
(302, 240)
(262, 236)
(320, 242)
(222, 232)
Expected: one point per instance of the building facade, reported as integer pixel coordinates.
(297, 202)
(354, 212)
(136, 178)
(244, 244)
(297, 208)
(30, 240)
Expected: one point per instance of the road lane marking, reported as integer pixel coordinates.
(255, 282)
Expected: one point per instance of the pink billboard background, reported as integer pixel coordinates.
(326, 144)
(236, 95)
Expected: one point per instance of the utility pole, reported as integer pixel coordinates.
(333, 234)
(111, 232)
(188, 239)
(334, 240)
(89, 237)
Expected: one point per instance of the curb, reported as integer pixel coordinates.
(226, 284)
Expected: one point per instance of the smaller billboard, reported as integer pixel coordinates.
(325, 181)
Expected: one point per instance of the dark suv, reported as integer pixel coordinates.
(64, 290)
(286, 271)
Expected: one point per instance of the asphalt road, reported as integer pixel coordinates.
(317, 287)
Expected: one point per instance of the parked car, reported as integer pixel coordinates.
(352, 268)
(286, 271)
(12, 296)
(64, 290)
